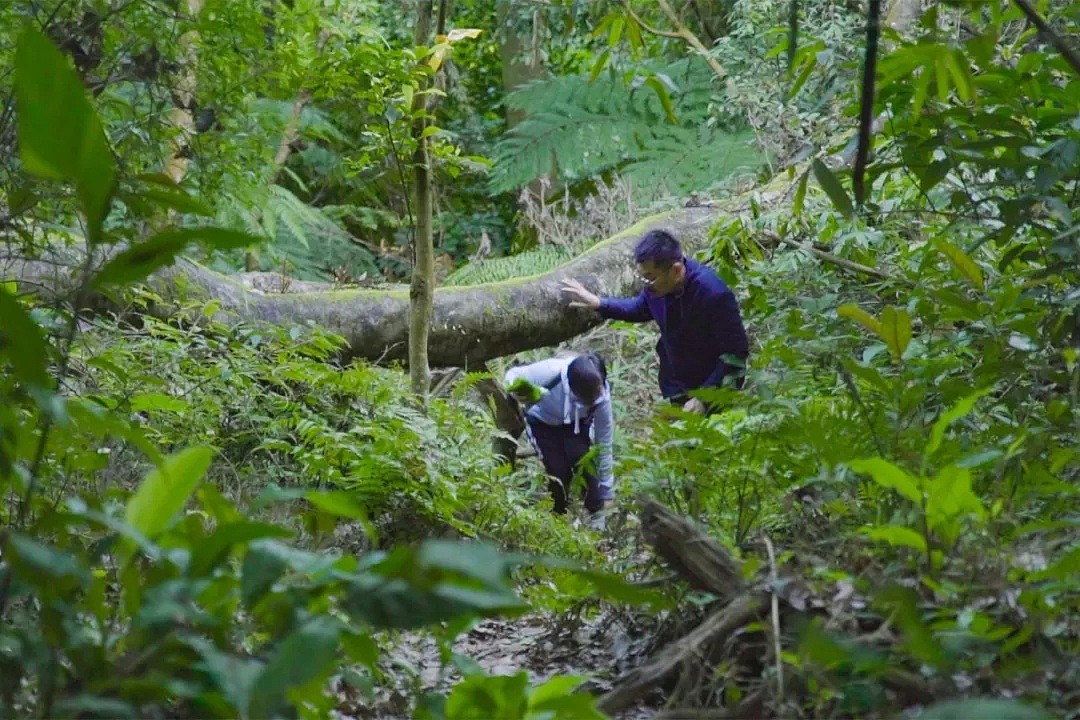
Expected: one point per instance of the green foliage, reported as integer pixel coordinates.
(539, 260)
(119, 601)
(577, 127)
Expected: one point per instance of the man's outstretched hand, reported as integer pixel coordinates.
(579, 296)
(694, 405)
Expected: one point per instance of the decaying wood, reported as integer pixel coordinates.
(719, 624)
(699, 559)
(508, 418)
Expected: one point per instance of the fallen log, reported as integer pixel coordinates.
(720, 624)
(696, 557)
(470, 324)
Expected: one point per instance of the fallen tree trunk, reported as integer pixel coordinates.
(470, 324)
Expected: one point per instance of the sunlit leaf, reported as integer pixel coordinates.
(166, 490)
(888, 475)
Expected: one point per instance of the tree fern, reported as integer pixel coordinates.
(574, 129)
(685, 159)
(311, 240)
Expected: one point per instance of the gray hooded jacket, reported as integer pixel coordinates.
(559, 406)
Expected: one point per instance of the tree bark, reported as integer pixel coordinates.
(182, 116)
(421, 290)
(470, 325)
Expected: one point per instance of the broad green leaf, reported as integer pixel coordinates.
(261, 569)
(866, 373)
(934, 173)
(175, 199)
(963, 263)
(807, 67)
(488, 696)
(557, 699)
(957, 411)
(476, 560)
(856, 313)
(22, 341)
(60, 135)
(157, 401)
(633, 36)
(614, 587)
(800, 195)
(159, 250)
(38, 564)
(599, 65)
(941, 72)
(1064, 569)
(961, 75)
(898, 535)
(832, 187)
(86, 705)
(234, 675)
(919, 638)
(209, 553)
(949, 496)
(557, 687)
(896, 330)
(664, 96)
(888, 475)
(922, 90)
(166, 490)
(615, 31)
(303, 656)
(341, 503)
(972, 708)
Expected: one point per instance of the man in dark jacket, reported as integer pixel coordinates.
(702, 338)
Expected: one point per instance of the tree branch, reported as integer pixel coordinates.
(829, 257)
(1059, 43)
(866, 103)
(681, 31)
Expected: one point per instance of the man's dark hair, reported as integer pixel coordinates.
(587, 375)
(660, 247)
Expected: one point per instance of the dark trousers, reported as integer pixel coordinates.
(561, 450)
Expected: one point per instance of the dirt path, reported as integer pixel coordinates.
(598, 649)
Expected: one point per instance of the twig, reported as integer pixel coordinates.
(774, 580)
(657, 581)
(445, 382)
(830, 258)
(1070, 55)
(681, 31)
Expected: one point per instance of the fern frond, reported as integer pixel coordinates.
(531, 262)
(679, 160)
(575, 129)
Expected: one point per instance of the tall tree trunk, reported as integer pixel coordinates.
(422, 288)
(183, 112)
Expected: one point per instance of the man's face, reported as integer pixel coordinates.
(661, 278)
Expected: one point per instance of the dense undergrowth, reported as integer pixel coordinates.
(210, 519)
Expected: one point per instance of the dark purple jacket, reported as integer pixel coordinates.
(698, 327)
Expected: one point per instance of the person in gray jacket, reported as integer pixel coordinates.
(565, 399)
